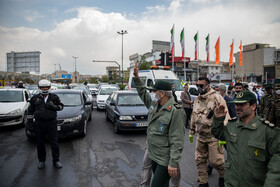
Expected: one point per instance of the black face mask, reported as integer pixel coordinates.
(200, 89)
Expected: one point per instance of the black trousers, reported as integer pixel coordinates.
(161, 177)
(188, 112)
(49, 128)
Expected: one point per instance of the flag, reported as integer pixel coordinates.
(240, 54)
(195, 40)
(172, 41)
(207, 48)
(233, 82)
(217, 50)
(231, 54)
(182, 41)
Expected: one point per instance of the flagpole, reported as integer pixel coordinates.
(185, 77)
(232, 62)
(242, 62)
(208, 47)
(197, 55)
(173, 48)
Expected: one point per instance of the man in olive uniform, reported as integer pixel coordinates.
(265, 104)
(253, 150)
(207, 147)
(274, 113)
(165, 132)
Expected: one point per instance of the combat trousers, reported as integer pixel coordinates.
(161, 177)
(207, 149)
(49, 128)
(147, 173)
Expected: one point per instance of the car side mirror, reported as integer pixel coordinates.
(112, 104)
(88, 103)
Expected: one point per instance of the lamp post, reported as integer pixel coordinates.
(122, 32)
(75, 57)
(54, 71)
(111, 61)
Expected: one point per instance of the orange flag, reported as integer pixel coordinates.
(240, 55)
(231, 54)
(217, 50)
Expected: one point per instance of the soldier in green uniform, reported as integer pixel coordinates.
(253, 150)
(274, 113)
(265, 101)
(165, 132)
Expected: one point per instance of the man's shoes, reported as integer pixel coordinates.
(209, 169)
(221, 182)
(57, 164)
(41, 165)
(203, 185)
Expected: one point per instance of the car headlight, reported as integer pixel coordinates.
(125, 118)
(77, 118)
(14, 112)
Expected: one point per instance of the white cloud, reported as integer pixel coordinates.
(92, 34)
(32, 16)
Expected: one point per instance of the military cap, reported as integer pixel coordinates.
(161, 85)
(268, 86)
(243, 97)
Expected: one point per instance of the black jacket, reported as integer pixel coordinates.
(44, 111)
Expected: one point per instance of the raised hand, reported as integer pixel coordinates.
(135, 72)
(220, 111)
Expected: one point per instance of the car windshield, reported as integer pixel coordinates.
(11, 96)
(129, 100)
(107, 91)
(31, 87)
(177, 84)
(70, 99)
(82, 88)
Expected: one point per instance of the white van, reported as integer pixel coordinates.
(149, 77)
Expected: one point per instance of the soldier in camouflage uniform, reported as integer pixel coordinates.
(265, 101)
(274, 112)
(206, 144)
(253, 145)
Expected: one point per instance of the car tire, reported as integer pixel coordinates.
(84, 133)
(106, 114)
(90, 117)
(116, 127)
(24, 121)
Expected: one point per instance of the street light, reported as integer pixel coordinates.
(75, 57)
(122, 32)
(111, 61)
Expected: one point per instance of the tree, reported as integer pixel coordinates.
(93, 80)
(143, 64)
(104, 78)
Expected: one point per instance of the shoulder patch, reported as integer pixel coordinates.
(267, 123)
(178, 106)
(233, 119)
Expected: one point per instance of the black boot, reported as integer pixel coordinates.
(203, 185)
(209, 169)
(221, 182)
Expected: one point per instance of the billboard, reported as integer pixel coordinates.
(66, 76)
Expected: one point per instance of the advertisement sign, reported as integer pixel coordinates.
(66, 76)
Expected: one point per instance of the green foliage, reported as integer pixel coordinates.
(122, 86)
(143, 64)
(93, 80)
(104, 78)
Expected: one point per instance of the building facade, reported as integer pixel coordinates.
(24, 62)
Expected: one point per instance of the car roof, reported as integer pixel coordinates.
(67, 91)
(13, 89)
(125, 92)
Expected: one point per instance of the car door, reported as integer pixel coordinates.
(86, 107)
(109, 106)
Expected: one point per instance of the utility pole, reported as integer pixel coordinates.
(75, 57)
(122, 32)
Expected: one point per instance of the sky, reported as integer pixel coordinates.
(87, 29)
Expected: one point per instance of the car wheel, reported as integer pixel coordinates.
(116, 127)
(107, 117)
(24, 121)
(84, 133)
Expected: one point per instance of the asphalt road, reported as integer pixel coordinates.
(101, 159)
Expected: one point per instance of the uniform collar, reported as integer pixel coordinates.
(251, 125)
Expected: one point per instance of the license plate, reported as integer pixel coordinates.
(58, 128)
(141, 125)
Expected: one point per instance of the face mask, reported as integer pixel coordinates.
(157, 97)
(218, 93)
(202, 91)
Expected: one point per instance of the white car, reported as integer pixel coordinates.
(93, 89)
(13, 106)
(103, 94)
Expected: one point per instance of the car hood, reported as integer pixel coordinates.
(133, 110)
(69, 112)
(102, 97)
(6, 107)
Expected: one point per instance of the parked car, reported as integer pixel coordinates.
(103, 94)
(93, 89)
(127, 111)
(73, 119)
(13, 106)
